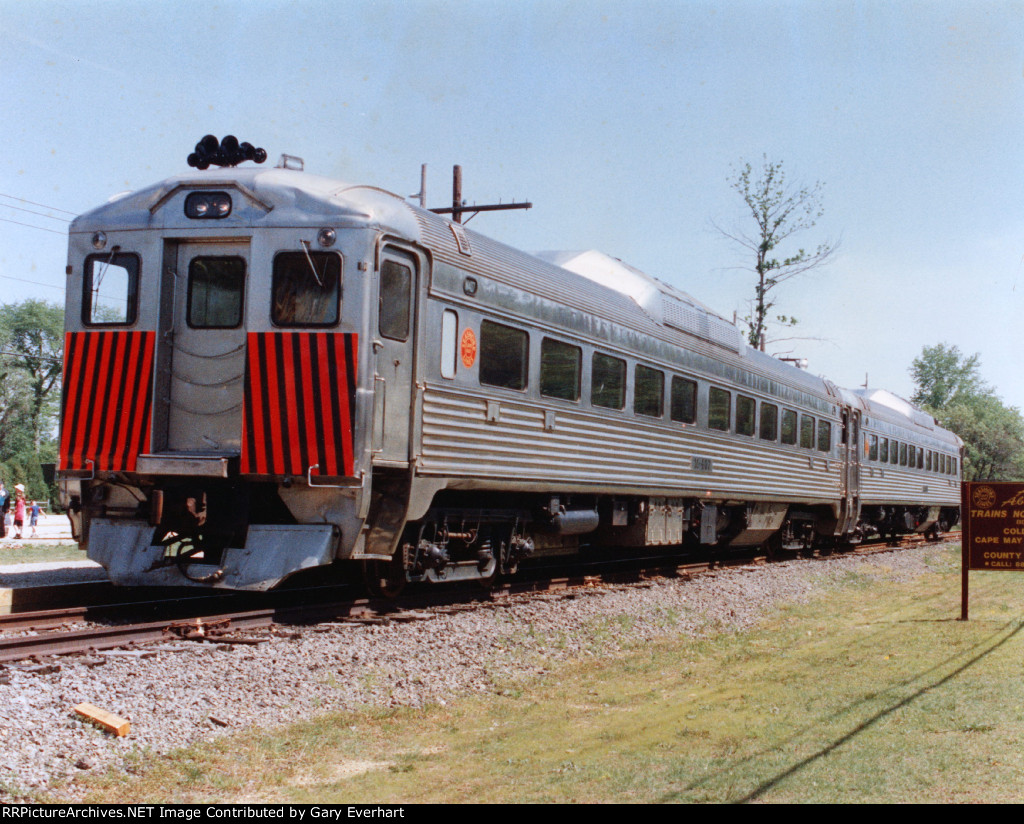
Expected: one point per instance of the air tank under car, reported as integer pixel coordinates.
(269, 371)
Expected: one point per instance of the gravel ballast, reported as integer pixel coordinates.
(189, 691)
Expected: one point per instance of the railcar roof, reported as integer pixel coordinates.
(288, 198)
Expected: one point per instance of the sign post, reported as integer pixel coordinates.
(993, 530)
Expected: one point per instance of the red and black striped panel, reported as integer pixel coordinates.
(107, 400)
(300, 397)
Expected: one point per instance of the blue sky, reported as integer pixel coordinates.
(621, 121)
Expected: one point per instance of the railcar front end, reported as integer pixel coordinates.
(215, 422)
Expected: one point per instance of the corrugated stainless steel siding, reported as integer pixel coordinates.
(903, 486)
(586, 449)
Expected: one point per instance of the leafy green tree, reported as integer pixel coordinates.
(35, 335)
(993, 436)
(943, 374)
(779, 210)
(948, 384)
(31, 353)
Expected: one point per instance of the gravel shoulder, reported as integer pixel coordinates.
(190, 692)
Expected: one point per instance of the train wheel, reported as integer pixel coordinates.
(384, 579)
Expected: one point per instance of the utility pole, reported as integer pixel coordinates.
(458, 207)
(457, 194)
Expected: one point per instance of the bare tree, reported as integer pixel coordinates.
(780, 210)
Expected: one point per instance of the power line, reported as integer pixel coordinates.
(36, 282)
(43, 205)
(32, 226)
(34, 212)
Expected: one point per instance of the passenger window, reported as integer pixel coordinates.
(504, 355)
(306, 289)
(449, 347)
(883, 451)
(746, 411)
(395, 294)
(769, 422)
(903, 454)
(560, 367)
(607, 381)
(216, 286)
(719, 409)
(684, 400)
(788, 426)
(111, 290)
(912, 456)
(953, 468)
(649, 392)
(920, 458)
(825, 437)
(873, 447)
(807, 432)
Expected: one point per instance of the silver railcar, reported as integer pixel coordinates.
(269, 371)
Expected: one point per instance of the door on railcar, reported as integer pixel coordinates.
(207, 347)
(394, 347)
(850, 507)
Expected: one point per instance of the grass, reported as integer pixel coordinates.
(29, 553)
(873, 694)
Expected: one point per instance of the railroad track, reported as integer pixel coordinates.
(229, 626)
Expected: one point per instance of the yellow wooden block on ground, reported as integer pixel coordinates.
(113, 723)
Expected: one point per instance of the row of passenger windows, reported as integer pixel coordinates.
(504, 362)
(897, 453)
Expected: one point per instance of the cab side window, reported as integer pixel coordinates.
(306, 289)
(111, 290)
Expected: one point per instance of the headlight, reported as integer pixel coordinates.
(208, 205)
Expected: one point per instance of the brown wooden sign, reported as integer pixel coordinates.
(992, 514)
(993, 525)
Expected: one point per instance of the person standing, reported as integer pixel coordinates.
(19, 509)
(33, 518)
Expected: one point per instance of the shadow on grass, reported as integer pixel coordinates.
(990, 645)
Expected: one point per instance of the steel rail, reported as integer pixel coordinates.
(221, 627)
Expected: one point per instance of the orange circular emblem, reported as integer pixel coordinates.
(467, 348)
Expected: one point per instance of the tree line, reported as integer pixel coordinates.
(949, 386)
(31, 362)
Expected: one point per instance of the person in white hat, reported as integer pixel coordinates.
(19, 509)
